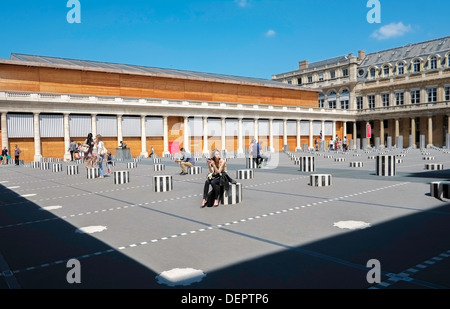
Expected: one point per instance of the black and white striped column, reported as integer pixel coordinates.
(250, 163)
(194, 170)
(162, 183)
(159, 167)
(121, 177)
(434, 166)
(439, 189)
(93, 172)
(385, 165)
(244, 174)
(35, 164)
(320, 180)
(156, 160)
(339, 159)
(131, 164)
(56, 167)
(72, 169)
(428, 158)
(307, 164)
(356, 164)
(45, 166)
(233, 195)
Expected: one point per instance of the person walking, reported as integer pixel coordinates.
(5, 155)
(186, 161)
(72, 149)
(152, 151)
(100, 153)
(17, 153)
(109, 163)
(89, 155)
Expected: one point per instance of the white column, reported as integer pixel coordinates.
(311, 133)
(430, 132)
(413, 132)
(448, 125)
(205, 137)
(334, 130)
(397, 129)
(37, 139)
(94, 125)
(144, 151)
(256, 129)
(299, 146)
(223, 142)
(66, 138)
(119, 129)
(5, 132)
(240, 141)
(323, 130)
(272, 149)
(165, 136)
(355, 134)
(186, 134)
(381, 133)
(285, 141)
(345, 129)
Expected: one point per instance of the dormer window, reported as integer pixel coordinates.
(401, 68)
(416, 66)
(372, 73)
(386, 71)
(433, 63)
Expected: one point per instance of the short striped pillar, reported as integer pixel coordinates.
(328, 156)
(356, 154)
(72, 169)
(320, 180)
(428, 158)
(339, 159)
(45, 166)
(56, 167)
(399, 161)
(162, 183)
(197, 159)
(307, 164)
(385, 165)
(194, 170)
(159, 167)
(434, 166)
(244, 174)
(121, 177)
(137, 159)
(156, 160)
(371, 157)
(250, 163)
(439, 189)
(93, 172)
(132, 165)
(356, 164)
(79, 161)
(58, 160)
(35, 164)
(51, 160)
(233, 195)
(400, 155)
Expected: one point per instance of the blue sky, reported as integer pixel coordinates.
(237, 37)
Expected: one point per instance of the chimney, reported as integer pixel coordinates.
(350, 56)
(361, 55)
(303, 65)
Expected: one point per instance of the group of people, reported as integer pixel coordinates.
(335, 144)
(6, 156)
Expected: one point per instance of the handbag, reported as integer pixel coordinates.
(104, 151)
(212, 176)
(84, 148)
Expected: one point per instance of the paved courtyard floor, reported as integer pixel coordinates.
(364, 231)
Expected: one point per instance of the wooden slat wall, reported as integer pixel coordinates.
(22, 78)
(176, 129)
(52, 147)
(135, 145)
(26, 145)
(157, 143)
(214, 142)
(292, 142)
(196, 144)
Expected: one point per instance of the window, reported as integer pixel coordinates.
(289, 82)
(321, 100)
(371, 101)
(385, 99)
(345, 72)
(345, 97)
(310, 79)
(386, 71)
(415, 96)
(416, 66)
(447, 93)
(433, 63)
(299, 80)
(333, 74)
(399, 98)
(332, 100)
(401, 68)
(372, 72)
(432, 94)
(359, 103)
(320, 76)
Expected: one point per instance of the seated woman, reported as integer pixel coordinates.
(217, 178)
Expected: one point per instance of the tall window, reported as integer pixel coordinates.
(401, 68)
(447, 93)
(371, 101)
(332, 100)
(289, 82)
(321, 100)
(320, 76)
(416, 66)
(399, 98)
(345, 97)
(415, 96)
(386, 71)
(432, 94)
(310, 79)
(385, 99)
(359, 103)
(299, 80)
(333, 74)
(372, 73)
(345, 72)
(433, 63)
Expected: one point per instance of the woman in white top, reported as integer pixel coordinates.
(100, 146)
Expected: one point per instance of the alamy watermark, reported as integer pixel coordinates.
(74, 274)
(374, 14)
(74, 14)
(374, 274)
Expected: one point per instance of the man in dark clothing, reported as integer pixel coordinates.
(186, 160)
(17, 152)
(72, 149)
(5, 155)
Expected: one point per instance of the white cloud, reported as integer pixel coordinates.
(391, 31)
(241, 3)
(270, 33)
